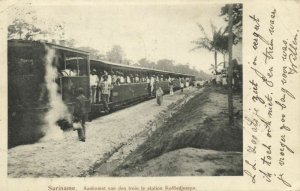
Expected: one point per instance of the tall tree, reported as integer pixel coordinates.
(94, 53)
(146, 63)
(230, 69)
(165, 64)
(22, 30)
(233, 14)
(210, 44)
(127, 61)
(116, 54)
(71, 42)
(237, 20)
(221, 43)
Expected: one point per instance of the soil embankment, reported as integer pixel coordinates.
(196, 140)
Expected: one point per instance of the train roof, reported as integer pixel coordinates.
(117, 65)
(20, 42)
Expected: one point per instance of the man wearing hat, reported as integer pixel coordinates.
(105, 88)
(94, 81)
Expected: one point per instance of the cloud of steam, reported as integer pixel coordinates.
(58, 110)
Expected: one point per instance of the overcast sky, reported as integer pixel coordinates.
(143, 31)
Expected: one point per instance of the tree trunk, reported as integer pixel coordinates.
(230, 71)
(224, 65)
(216, 62)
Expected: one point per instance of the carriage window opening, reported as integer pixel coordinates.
(71, 67)
(60, 63)
(75, 65)
(83, 70)
(82, 65)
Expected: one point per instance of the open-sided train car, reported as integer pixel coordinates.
(124, 93)
(28, 91)
(28, 95)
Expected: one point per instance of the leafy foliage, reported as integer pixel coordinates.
(94, 53)
(169, 65)
(23, 30)
(116, 54)
(237, 21)
(218, 42)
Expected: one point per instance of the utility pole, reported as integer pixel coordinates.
(230, 67)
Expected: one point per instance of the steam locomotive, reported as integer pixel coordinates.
(28, 96)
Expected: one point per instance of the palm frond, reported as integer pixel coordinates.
(202, 30)
(202, 43)
(213, 27)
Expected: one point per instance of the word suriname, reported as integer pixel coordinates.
(61, 188)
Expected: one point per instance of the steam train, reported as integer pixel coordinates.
(28, 97)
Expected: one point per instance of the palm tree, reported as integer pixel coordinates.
(234, 16)
(221, 41)
(213, 67)
(218, 43)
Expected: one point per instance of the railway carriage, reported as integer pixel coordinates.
(126, 93)
(28, 95)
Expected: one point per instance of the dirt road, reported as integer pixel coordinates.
(71, 158)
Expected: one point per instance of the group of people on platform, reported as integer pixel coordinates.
(104, 83)
(100, 88)
(103, 86)
(118, 78)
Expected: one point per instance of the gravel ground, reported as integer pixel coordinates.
(71, 158)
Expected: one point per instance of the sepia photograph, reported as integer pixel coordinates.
(124, 90)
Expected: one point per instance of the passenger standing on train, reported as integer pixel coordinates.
(157, 78)
(73, 72)
(122, 79)
(99, 89)
(118, 81)
(147, 80)
(80, 113)
(103, 74)
(113, 77)
(117, 78)
(109, 78)
(131, 78)
(105, 90)
(151, 85)
(94, 82)
(137, 79)
(128, 80)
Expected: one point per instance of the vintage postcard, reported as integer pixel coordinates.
(149, 95)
